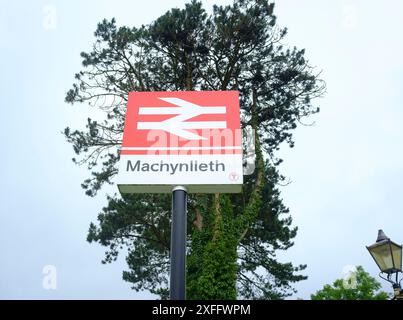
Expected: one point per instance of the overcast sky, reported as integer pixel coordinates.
(346, 170)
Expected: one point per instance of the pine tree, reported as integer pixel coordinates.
(232, 239)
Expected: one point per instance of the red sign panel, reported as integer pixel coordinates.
(186, 122)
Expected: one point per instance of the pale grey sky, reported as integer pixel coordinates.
(346, 170)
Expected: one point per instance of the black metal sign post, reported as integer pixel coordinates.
(178, 244)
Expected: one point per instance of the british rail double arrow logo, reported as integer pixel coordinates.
(178, 125)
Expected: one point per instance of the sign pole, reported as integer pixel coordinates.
(178, 243)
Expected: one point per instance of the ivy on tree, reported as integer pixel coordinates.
(232, 239)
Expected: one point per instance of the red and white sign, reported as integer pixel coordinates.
(187, 138)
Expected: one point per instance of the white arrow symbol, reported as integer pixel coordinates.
(185, 110)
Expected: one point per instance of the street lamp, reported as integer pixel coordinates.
(388, 256)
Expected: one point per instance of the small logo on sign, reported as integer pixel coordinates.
(233, 176)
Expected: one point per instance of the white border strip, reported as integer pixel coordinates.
(181, 148)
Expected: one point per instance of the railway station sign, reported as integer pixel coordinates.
(186, 138)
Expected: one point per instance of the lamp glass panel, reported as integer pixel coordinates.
(382, 256)
(397, 255)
